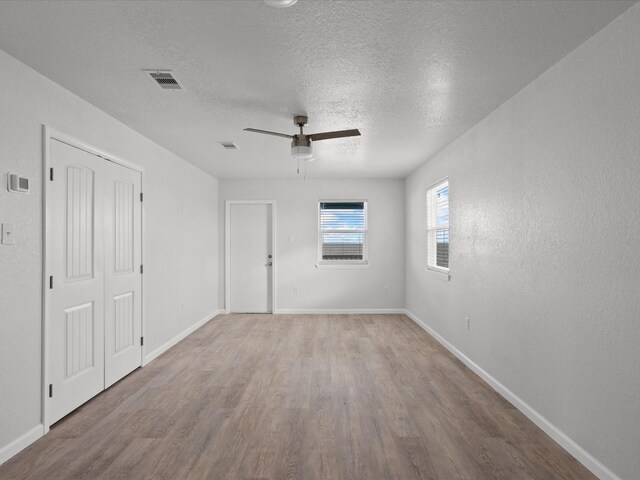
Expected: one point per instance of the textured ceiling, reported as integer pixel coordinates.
(412, 75)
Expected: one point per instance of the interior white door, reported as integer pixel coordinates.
(250, 258)
(122, 275)
(95, 308)
(76, 266)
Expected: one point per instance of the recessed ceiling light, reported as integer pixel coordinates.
(280, 3)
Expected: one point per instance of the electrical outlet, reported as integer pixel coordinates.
(295, 290)
(385, 289)
(468, 322)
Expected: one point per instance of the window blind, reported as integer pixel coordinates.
(438, 226)
(343, 231)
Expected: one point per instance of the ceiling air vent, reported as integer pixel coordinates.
(228, 145)
(165, 79)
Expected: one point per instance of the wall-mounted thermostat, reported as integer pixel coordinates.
(17, 184)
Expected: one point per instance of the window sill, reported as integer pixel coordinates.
(439, 274)
(343, 265)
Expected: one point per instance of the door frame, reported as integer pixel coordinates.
(227, 249)
(49, 134)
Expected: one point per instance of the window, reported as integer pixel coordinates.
(343, 233)
(438, 227)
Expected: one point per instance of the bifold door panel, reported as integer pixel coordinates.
(123, 312)
(94, 304)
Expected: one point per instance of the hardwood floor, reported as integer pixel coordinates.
(298, 397)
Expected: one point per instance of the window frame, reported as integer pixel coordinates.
(431, 230)
(365, 247)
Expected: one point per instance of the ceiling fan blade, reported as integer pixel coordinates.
(267, 132)
(337, 134)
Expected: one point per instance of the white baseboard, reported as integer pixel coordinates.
(21, 443)
(163, 348)
(584, 457)
(337, 311)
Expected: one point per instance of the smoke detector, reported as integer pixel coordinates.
(165, 79)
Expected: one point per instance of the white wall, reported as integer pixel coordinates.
(180, 221)
(545, 222)
(297, 216)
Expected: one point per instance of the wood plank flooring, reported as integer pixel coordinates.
(298, 397)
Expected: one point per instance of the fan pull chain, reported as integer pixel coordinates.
(298, 172)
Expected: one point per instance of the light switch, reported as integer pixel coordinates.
(8, 235)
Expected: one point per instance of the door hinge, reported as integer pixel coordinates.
(51, 390)
(141, 341)
(51, 282)
(141, 269)
(141, 196)
(51, 174)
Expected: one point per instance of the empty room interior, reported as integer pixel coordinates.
(315, 239)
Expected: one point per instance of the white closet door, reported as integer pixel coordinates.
(123, 281)
(76, 302)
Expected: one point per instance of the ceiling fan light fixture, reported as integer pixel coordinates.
(280, 3)
(301, 152)
(301, 142)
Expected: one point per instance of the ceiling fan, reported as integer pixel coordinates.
(301, 142)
